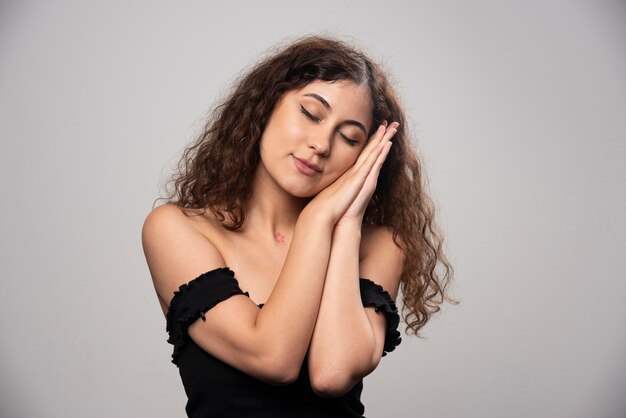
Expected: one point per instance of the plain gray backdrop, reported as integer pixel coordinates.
(519, 109)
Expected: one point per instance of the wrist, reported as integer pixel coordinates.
(314, 217)
(349, 225)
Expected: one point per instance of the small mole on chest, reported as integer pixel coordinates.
(278, 237)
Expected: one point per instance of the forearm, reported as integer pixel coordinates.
(289, 314)
(343, 341)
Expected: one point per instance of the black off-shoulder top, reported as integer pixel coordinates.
(216, 389)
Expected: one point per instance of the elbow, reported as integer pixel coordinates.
(278, 377)
(331, 384)
(280, 362)
(328, 381)
(282, 371)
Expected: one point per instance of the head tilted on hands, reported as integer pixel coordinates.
(220, 167)
(324, 124)
(316, 99)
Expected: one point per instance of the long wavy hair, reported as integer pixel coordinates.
(215, 172)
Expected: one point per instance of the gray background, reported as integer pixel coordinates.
(519, 109)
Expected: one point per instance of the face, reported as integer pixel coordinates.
(324, 124)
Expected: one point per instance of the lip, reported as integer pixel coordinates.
(306, 167)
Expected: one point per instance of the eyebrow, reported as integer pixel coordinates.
(327, 106)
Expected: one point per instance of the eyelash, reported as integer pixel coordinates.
(350, 142)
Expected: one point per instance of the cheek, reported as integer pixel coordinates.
(348, 159)
(282, 136)
(342, 165)
(293, 130)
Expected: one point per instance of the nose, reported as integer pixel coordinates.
(320, 143)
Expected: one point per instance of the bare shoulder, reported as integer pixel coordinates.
(381, 259)
(383, 263)
(175, 250)
(172, 212)
(167, 225)
(374, 236)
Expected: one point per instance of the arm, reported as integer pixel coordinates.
(348, 339)
(268, 343)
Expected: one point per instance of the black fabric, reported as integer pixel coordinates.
(193, 299)
(216, 389)
(373, 294)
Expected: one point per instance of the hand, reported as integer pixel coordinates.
(356, 211)
(357, 183)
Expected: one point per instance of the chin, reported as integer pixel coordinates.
(301, 192)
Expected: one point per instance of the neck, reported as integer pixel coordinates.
(272, 213)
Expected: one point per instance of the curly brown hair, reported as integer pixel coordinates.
(217, 169)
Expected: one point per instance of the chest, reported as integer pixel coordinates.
(256, 264)
(256, 267)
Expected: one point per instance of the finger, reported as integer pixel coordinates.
(371, 145)
(383, 133)
(360, 170)
(368, 171)
(372, 177)
(382, 157)
(370, 162)
(390, 131)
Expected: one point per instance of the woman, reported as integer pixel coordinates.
(279, 256)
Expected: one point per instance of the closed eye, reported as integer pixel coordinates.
(308, 114)
(350, 142)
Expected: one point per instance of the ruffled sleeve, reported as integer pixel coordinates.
(373, 294)
(193, 299)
